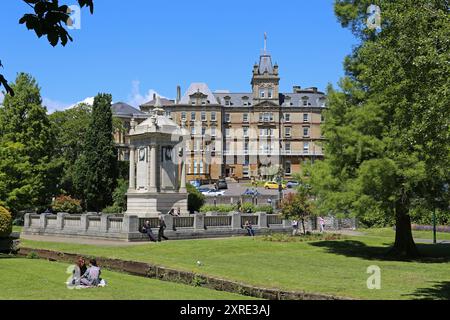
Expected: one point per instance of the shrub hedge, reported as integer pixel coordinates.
(5, 222)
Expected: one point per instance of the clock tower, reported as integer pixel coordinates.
(265, 80)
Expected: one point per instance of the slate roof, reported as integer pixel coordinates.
(164, 102)
(237, 99)
(265, 64)
(124, 109)
(198, 87)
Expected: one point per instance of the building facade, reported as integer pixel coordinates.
(245, 135)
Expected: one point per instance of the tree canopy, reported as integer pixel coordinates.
(27, 164)
(388, 135)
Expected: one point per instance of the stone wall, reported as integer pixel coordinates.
(127, 228)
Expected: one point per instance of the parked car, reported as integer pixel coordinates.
(196, 184)
(292, 184)
(203, 190)
(273, 185)
(221, 184)
(250, 192)
(214, 193)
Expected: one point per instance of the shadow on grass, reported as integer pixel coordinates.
(438, 253)
(439, 291)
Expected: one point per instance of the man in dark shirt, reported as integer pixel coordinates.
(162, 227)
(148, 230)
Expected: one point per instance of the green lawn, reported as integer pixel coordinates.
(390, 233)
(17, 229)
(331, 267)
(26, 279)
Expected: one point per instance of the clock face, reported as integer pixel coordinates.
(142, 154)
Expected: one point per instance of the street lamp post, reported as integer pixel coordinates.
(280, 185)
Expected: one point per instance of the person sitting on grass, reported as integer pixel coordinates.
(248, 226)
(91, 278)
(78, 270)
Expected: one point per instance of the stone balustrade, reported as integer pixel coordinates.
(86, 225)
(128, 228)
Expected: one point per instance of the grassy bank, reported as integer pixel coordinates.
(42, 280)
(330, 267)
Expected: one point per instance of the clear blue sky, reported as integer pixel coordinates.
(128, 48)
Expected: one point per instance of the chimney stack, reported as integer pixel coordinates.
(297, 89)
(178, 94)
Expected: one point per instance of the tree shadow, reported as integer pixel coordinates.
(430, 253)
(439, 291)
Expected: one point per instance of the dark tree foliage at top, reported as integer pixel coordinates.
(50, 19)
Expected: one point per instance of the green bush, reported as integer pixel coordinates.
(120, 196)
(208, 208)
(5, 223)
(267, 208)
(67, 204)
(221, 208)
(195, 199)
(112, 210)
(32, 255)
(247, 207)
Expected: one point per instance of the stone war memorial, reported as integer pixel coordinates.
(157, 185)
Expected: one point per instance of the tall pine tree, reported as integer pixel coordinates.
(28, 168)
(96, 169)
(388, 129)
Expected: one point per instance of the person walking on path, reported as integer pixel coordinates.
(147, 229)
(321, 224)
(294, 227)
(162, 227)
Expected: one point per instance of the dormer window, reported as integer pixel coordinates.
(305, 101)
(287, 101)
(227, 101)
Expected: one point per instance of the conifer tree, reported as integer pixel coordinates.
(96, 170)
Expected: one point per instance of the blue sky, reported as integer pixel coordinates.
(129, 48)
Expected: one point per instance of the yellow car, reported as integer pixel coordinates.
(273, 185)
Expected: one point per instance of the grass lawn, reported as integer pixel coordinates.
(17, 229)
(331, 267)
(390, 233)
(27, 279)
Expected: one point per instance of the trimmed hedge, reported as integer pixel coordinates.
(5, 223)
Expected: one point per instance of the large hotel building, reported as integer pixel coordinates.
(241, 135)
